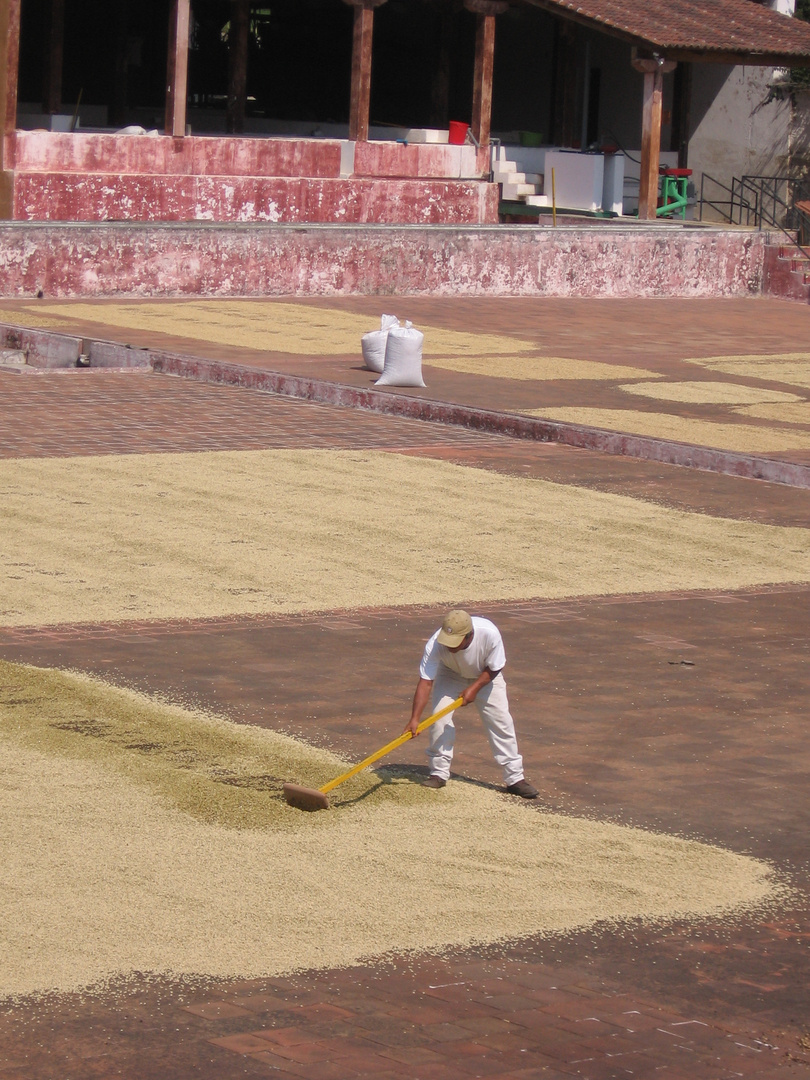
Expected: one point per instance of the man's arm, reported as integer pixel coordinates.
(420, 699)
(425, 686)
(484, 679)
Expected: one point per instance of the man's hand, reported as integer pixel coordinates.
(421, 697)
(484, 679)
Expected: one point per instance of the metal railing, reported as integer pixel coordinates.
(757, 201)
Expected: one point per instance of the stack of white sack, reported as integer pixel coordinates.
(373, 344)
(395, 353)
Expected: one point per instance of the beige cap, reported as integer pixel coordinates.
(455, 627)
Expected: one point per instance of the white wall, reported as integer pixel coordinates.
(738, 127)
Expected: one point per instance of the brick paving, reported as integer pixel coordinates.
(656, 336)
(69, 414)
(681, 712)
(78, 413)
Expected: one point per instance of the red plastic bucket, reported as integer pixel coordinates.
(458, 132)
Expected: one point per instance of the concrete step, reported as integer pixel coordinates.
(538, 200)
(781, 277)
(509, 177)
(511, 192)
(12, 359)
(531, 178)
(793, 251)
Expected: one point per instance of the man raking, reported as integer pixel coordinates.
(465, 658)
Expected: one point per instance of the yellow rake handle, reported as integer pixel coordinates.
(392, 745)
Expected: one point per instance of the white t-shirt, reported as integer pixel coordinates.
(484, 651)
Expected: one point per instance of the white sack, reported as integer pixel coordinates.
(373, 344)
(403, 358)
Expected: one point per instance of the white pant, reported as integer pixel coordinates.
(493, 708)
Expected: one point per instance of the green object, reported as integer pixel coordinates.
(531, 138)
(673, 194)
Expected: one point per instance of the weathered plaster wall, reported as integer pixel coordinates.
(111, 197)
(738, 127)
(84, 152)
(97, 177)
(254, 260)
(800, 132)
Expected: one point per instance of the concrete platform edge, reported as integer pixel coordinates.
(512, 425)
(53, 350)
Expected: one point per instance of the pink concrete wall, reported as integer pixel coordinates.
(291, 200)
(264, 260)
(784, 273)
(80, 152)
(428, 160)
(53, 151)
(97, 177)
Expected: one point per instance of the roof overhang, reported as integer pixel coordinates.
(697, 31)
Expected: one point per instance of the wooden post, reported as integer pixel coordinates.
(118, 99)
(360, 107)
(52, 81)
(682, 114)
(177, 69)
(653, 69)
(485, 11)
(237, 66)
(482, 78)
(565, 84)
(446, 35)
(650, 144)
(360, 104)
(10, 35)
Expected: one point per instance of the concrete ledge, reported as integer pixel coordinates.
(107, 354)
(55, 351)
(70, 259)
(42, 349)
(92, 152)
(38, 152)
(51, 350)
(105, 197)
(514, 426)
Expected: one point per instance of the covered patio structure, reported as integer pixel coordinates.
(330, 111)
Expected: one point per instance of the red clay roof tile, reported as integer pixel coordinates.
(711, 26)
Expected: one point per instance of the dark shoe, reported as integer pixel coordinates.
(434, 782)
(522, 788)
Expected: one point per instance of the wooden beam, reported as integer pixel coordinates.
(177, 69)
(118, 100)
(482, 78)
(485, 12)
(360, 102)
(54, 54)
(650, 145)
(729, 59)
(9, 72)
(445, 39)
(237, 66)
(653, 69)
(682, 114)
(565, 84)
